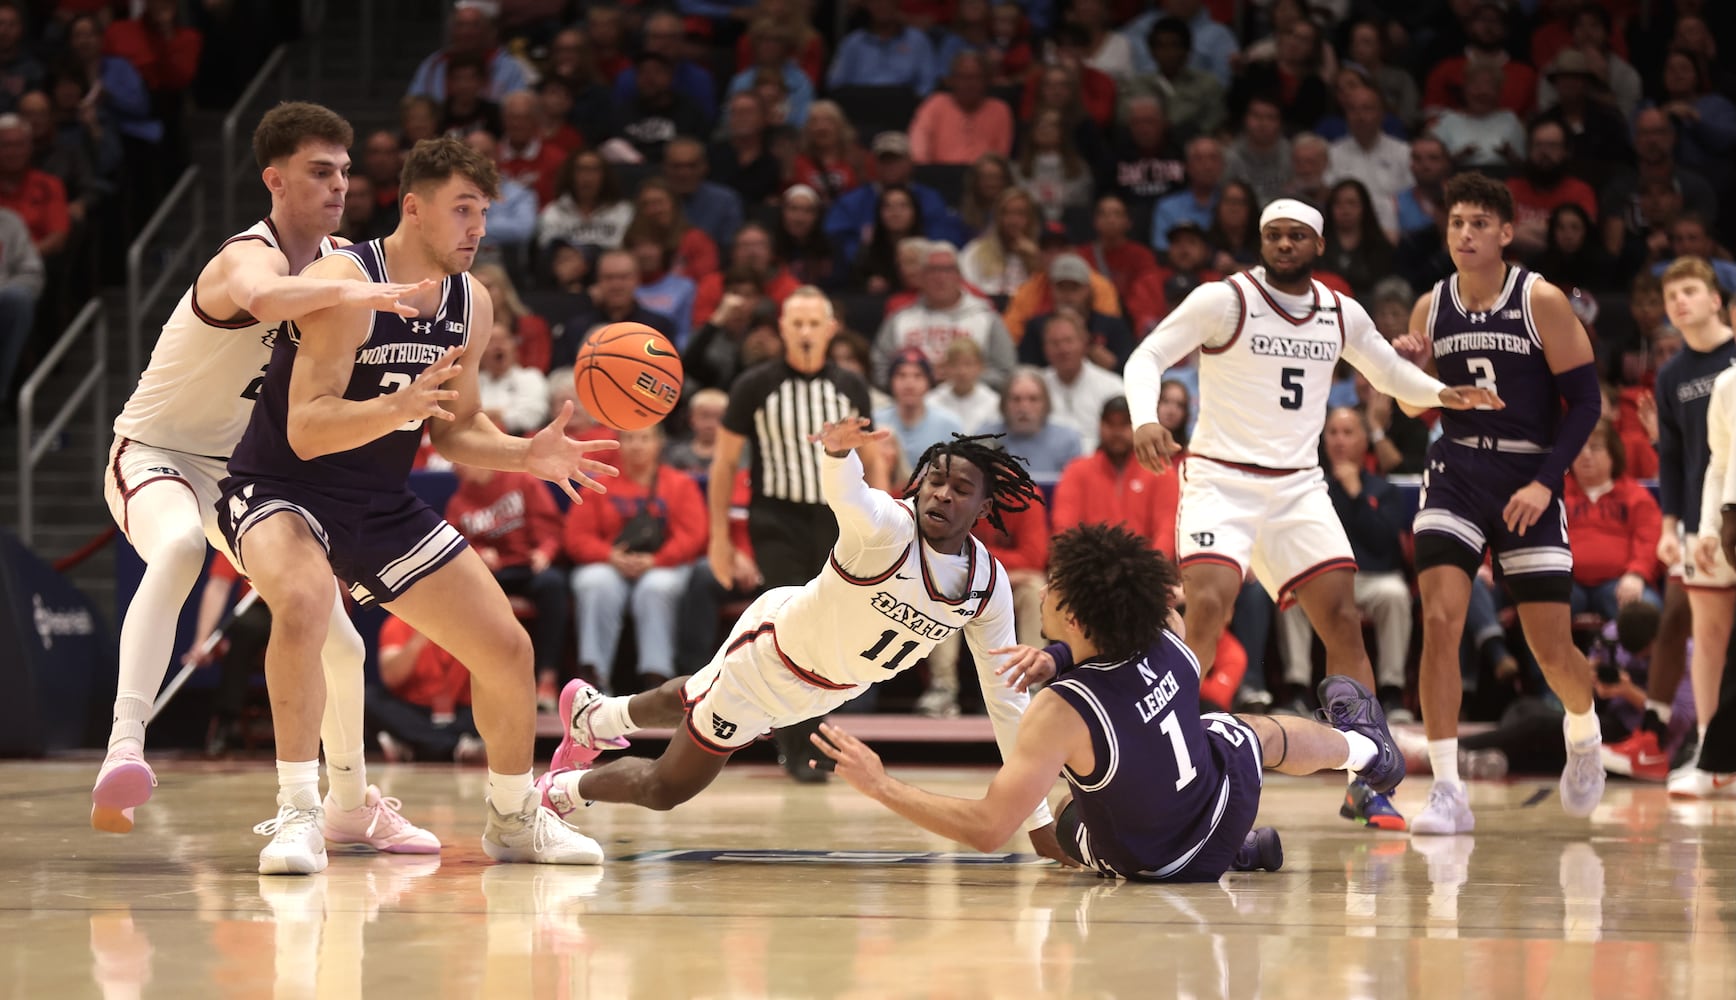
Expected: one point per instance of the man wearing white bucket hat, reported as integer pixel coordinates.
(1253, 495)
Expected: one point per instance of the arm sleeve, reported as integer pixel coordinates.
(1584, 409)
(1208, 317)
(1670, 499)
(1369, 353)
(994, 630)
(872, 527)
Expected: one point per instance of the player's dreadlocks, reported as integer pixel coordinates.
(1004, 475)
(1114, 584)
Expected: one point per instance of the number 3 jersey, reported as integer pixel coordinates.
(397, 350)
(1497, 349)
(197, 393)
(1265, 368)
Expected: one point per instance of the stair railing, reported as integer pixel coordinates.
(237, 152)
(182, 199)
(92, 323)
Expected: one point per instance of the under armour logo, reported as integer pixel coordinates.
(1204, 539)
(1438, 466)
(421, 326)
(723, 729)
(1478, 317)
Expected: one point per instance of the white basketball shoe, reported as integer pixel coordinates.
(297, 847)
(535, 835)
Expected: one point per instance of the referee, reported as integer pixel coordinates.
(776, 405)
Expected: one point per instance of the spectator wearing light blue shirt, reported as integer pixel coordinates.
(661, 289)
(887, 53)
(916, 424)
(473, 33)
(1213, 44)
(1197, 202)
(774, 49)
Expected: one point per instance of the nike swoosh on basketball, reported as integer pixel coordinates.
(652, 349)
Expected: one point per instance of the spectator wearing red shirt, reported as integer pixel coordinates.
(38, 197)
(810, 48)
(1092, 90)
(525, 155)
(1486, 43)
(166, 54)
(511, 520)
(421, 708)
(752, 250)
(634, 550)
(1112, 254)
(1108, 487)
(831, 159)
(1613, 525)
(1160, 290)
(1543, 185)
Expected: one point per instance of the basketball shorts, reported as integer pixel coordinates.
(1236, 752)
(1465, 492)
(1282, 526)
(1692, 576)
(132, 466)
(750, 687)
(379, 544)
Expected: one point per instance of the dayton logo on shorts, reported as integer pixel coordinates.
(723, 729)
(1204, 539)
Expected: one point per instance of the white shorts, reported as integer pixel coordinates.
(1282, 526)
(750, 687)
(133, 466)
(1722, 576)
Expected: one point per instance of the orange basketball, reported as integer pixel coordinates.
(628, 376)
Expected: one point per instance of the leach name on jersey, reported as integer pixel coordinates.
(1264, 355)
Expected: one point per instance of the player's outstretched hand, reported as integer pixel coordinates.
(385, 296)
(561, 460)
(847, 435)
(421, 399)
(1526, 507)
(1154, 445)
(1416, 348)
(1044, 842)
(1024, 666)
(1470, 397)
(857, 764)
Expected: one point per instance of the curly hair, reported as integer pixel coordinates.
(1009, 486)
(1114, 584)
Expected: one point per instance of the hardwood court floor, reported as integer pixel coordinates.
(1639, 903)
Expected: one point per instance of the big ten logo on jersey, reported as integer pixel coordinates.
(661, 390)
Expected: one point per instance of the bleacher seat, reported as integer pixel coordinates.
(947, 179)
(873, 110)
(861, 311)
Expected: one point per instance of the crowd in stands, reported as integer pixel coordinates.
(1001, 198)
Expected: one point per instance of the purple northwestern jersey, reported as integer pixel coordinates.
(1160, 787)
(397, 350)
(1500, 350)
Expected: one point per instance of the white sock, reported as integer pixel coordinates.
(347, 775)
(1660, 709)
(1362, 752)
(298, 783)
(1444, 758)
(509, 794)
(1582, 728)
(132, 708)
(609, 720)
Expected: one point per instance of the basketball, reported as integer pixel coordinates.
(628, 376)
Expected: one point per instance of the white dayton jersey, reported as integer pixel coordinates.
(1265, 368)
(197, 393)
(883, 601)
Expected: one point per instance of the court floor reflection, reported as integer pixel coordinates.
(738, 895)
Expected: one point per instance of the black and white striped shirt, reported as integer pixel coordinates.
(776, 407)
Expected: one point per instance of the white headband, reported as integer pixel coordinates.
(1295, 211)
